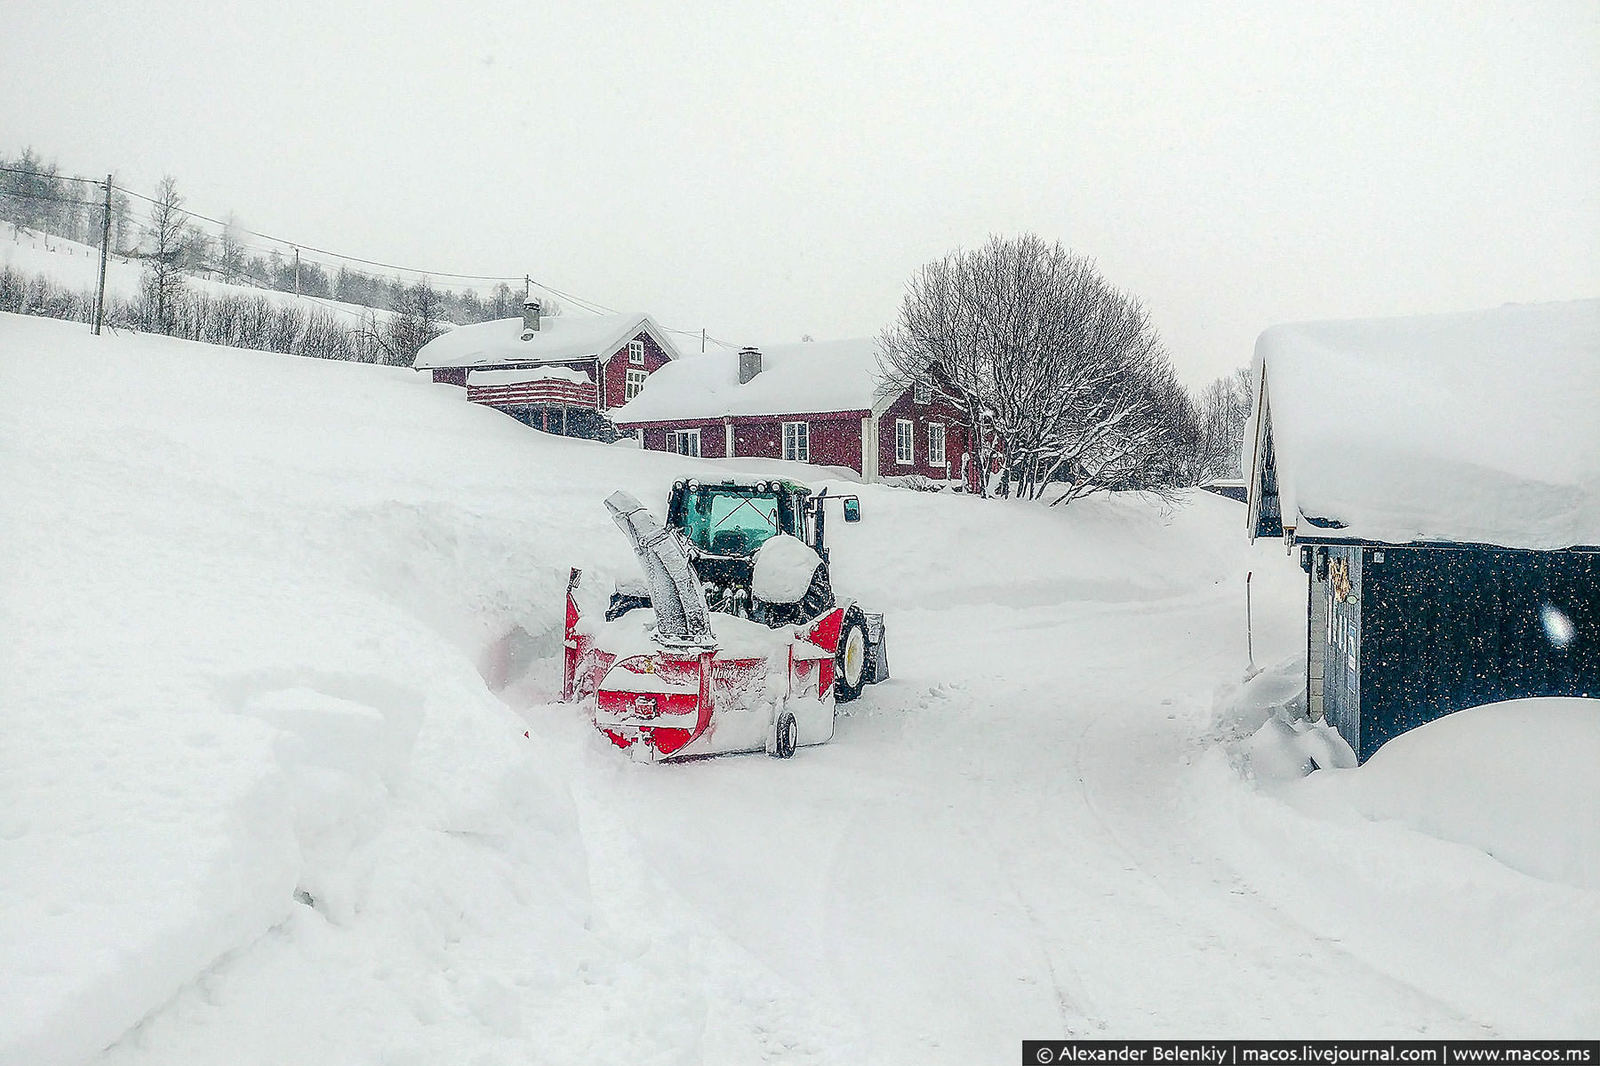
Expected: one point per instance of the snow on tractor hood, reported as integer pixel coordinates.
(783, 569)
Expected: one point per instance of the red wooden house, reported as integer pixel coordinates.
(559, 373)
(815, 402)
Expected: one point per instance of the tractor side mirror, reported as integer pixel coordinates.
(852, 509)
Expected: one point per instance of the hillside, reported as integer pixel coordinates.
(259, 804)
(77, 267)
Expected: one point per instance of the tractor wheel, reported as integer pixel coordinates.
(850, 661)
(785, 736)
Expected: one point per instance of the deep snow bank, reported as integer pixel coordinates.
(1468, 839)
(1515, 780)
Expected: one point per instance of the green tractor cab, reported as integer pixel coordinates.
(724, 525)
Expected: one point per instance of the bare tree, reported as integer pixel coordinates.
(231, 249)
(1062, 377)
(418, 314)
(168, 246)
(1224, 407)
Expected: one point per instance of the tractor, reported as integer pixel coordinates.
(734, 640)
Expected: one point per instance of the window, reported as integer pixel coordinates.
(936, 454)
(635, 383)
(797, 441)
(684, 441)
(636, 353)
(730, 521)
(903, 442)
(922, 392)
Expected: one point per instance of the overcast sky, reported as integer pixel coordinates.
(770, 170)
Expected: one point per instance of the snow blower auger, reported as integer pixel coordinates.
(734, 642)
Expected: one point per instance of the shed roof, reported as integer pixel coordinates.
(802, 378)
(559, 337)
(1476, 428)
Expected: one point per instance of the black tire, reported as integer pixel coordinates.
(786, 736)
(851, 658)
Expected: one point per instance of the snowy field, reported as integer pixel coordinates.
(265, 796)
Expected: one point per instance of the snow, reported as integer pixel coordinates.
(283, 778)
(1473, 428)
(520, 377)
(1515, 780)
(1472, 835)
(806, 378)
(783, 569)
(559, 337)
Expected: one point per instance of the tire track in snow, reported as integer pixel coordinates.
(739, 1009)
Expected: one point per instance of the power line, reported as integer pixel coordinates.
(324, 251)
(591, 306)
(52, 177)
(52, 199)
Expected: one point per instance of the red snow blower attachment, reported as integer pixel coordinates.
(672, 678)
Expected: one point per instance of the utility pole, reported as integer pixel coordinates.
(297, 272)
(702, 340)
(105, 251)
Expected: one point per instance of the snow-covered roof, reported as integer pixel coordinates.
(522, 376)
(1477, 428)
(558, 337)
(794, 379)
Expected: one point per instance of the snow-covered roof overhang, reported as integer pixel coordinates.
(1477, 428)
(559, 338)
(808, 378)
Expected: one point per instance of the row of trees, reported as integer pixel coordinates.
(1065, 374)
(35, 195)
(174, 245)
(239, 321)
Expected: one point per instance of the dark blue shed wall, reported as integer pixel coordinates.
(1441, 629)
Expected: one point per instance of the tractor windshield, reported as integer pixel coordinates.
(731, 523)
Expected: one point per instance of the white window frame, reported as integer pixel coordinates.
(905, 442)
(797, 441)
(937, 456)
(636, 353)
(922, 392)
(684, 442)
(634, 384)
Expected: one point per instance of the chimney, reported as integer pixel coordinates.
(749, 364)
(530, 317)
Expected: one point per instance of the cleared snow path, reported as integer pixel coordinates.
(982, 855)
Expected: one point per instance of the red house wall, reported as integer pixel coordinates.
(616, 371)
(921, 415)
(834, 441)
(450, 375)
(835, 438)
(711, 437)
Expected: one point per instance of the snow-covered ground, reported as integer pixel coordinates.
(258, 803)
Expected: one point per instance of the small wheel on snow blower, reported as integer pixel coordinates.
(850, 662)
(785, 735)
